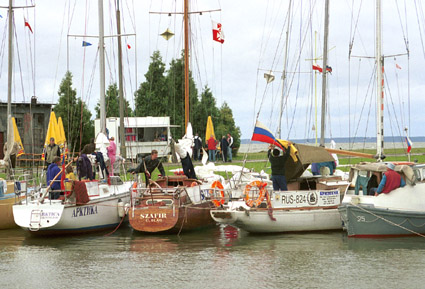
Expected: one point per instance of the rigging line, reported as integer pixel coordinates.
(392, 102)
(59, 51)
(357, 89)
(370, 85)
(420, 30)
(402, 27)
(353, 33)
(367, 121)
(19, 61)
(401, 106)
(112, 17)
(408, 63)
(3, 47)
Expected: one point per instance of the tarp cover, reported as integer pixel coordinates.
(306, 156)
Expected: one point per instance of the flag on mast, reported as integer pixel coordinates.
(218, 34)
(28, 25)
(263, 134)
(409, 144)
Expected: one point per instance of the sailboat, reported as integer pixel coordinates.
(174, 203)
(400, 212)
(90, 205)
(311, 202)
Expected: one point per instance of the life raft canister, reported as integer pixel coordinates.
(261, 186)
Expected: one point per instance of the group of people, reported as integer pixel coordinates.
(52, 157)
(226, 146)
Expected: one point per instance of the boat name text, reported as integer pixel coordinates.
(84, 211)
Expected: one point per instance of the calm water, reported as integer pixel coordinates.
(216, 258)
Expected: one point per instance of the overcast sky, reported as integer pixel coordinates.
(255, 34)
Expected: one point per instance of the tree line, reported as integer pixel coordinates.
(161, 94)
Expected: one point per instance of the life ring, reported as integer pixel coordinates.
(261, 186)
(218, 185)
(134, 187)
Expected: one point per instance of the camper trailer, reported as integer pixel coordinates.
(142, 134)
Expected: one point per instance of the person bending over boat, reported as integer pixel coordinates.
(391, 180)
(148, 165)
(52, 171)
(278, 167)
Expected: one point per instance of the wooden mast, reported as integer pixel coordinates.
(102, 69)
(186, 63)
(380, 87)
(10, 64)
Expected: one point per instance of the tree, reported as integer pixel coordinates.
(79, 127)
(176, 101)
(226, 124)
(112, 103)
(151, 97)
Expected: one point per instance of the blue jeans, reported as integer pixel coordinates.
(211, 155)
(229, 154)
(279, 183)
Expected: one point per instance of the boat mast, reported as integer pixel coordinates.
(121, 92)
(102, 70)
(284, 72)
(186, 63)
(324, 73)
(380, 86)
(10, 64)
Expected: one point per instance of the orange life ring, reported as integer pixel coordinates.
(134, 187)
(219, 186)
(261, 186)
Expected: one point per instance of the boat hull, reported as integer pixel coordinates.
(370, 222)
(57, 218)
(259, 221)
(170, 219)
(6, 211)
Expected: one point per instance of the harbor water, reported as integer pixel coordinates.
(220, 257)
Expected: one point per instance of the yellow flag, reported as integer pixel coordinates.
(17, 138)
(210, 129)
(52, 130)
(61, 134)
(294, 150)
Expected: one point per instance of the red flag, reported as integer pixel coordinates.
(128, 46)
(317, 67)
(28, 25)
(397, 66)
(218, 34)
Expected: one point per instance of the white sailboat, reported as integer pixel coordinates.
(400, 212)
(92, 205)
(310, 204)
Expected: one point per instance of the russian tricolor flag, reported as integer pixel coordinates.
(263, 134)
(409, 144)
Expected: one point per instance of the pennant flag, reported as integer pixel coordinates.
(85, 44)
(128, 46)
(263, 134)
(329, 69)
(409, 144)
(397, 66)
(218, 34)
(317, 67)
(28, 25)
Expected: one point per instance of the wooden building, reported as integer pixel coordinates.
(32, 120)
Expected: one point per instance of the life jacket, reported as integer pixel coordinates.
(393, 181)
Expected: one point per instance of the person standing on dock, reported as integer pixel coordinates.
(224, 144)
(229, 150)
(51, 151)
(278, 167)
(212, 147)
(112, 151)
(148, 165)
(197, 148)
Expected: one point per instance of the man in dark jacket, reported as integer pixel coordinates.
(51, 151)
(223, 145)
(88, 149)
(148, 165)
(278, 167)
(197, 146)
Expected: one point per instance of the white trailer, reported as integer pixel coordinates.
(142, 134)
